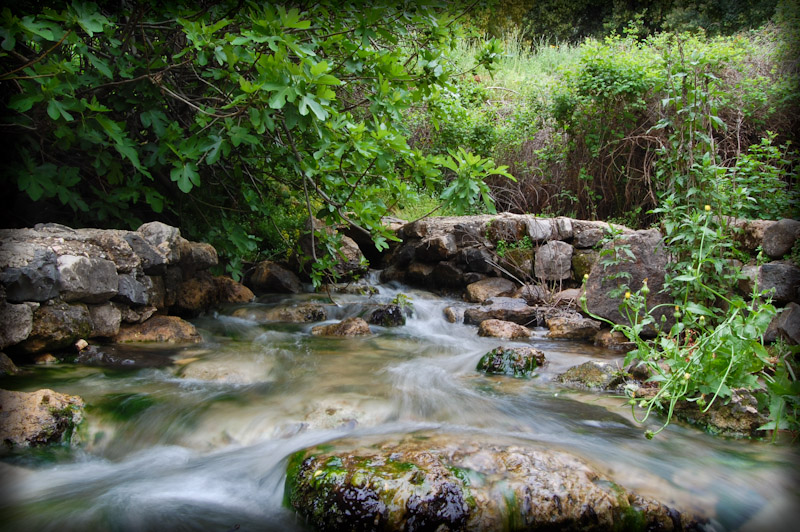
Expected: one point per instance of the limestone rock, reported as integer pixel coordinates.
(504, 308)
(503, 329)
(541, 229)
(488, 288)
(420, 274)
(17, 322)
(582, 262)
(437, 248)
(575, 327)
(196, 295)
(196, 256)
(269, 276)
(533, 294)
(477, 259)
(134, 289)
(429, 481)
(615, 341)
(28, 272)
(57, 326)
(454, 314)
(593, 375)
(587, 234)
(169, 329)
(785, 325)
(782, 277)
(519, 262)
(738, 416)
(105, 319)
(39, 418)
(780, 237)
(90, 280)
(750, 233)
(447, 275)
(650, 262)
(515, 361)
(346, 327)
(554, 261)
(164, 238)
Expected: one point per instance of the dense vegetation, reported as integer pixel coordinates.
(240, 121)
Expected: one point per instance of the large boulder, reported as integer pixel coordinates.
(649, 262)
(462, 482)
(780, 237)
(504, 308)
(480, 291)
(7, 366)
(134, 288)
(169, 329)
(749, 234)
(57, 326)
(514, 361)
(39, 418)
(269, 276)
(437, 248)
(230, 291)
(165, 239)
(196, 295)
(347, 327)
(785, 325)
(553, 261)
(28, 271)
(90, 280)
(106, 319)
(781, 277)
(503, 329)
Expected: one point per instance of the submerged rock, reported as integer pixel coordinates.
(171, 329)
(516, 361)
(450, 482)
(503, 329)
(38, 418)
(594, 375)
(346, 327)
(301, 313)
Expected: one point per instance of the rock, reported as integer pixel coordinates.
(39, 418)
(533, 294)
(587, 234)
(136, 315)
(554, 261)
(17, 322)
(437, 248)
(785, 325)
(519, 262)
(269, 276)
(170, 329)
(447, 275)
(441, 482)
(503, 329)
(650, 262)
(81, 344)
(594, 375)
(134, 289)
(516, 361)
(477, 259)
(386, 316)
(173, 278)
(582, 262)
(541, 230)
(356, 289)
(122, 356)
(29, 272)
(567, 298)
(86, 279)
(780, 237)
(564, 229)
(114, 246)
(420, 274)
(616, 341)
(574, 328)
(230, 291)
(157, 294)
(347, 327)
(7, 366)
(750, 233)
(454, 314)
(196, 295)
(164, 239)
(738, 416)
(350, 261)
(45, 359)
(57, 326)
(229, 370)
(106, 319)
(196, 256)
(463, 227)
(782, 277)
(300, 313)
(488, 288)
(508, 228)
(504, 308)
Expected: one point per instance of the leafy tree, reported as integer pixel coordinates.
(236, 121)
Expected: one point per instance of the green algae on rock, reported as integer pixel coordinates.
(516, 361)
(449, 482)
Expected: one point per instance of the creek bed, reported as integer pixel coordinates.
(197, 438)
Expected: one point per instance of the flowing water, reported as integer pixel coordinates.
(201, 443)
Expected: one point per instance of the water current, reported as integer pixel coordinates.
(196, 438)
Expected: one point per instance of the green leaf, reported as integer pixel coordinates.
(185, 175)
(24, 102)
(319, 68)
(56, 109)
(101, 65)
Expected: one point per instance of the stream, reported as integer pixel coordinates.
(196, 437)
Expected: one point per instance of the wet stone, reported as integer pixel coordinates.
(516, 361)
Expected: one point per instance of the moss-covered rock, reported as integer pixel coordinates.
(594, 375)
(452, 482)
(386, 316)
(39, 418)
(516, 361)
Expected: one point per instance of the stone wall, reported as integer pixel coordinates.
(58, 284)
